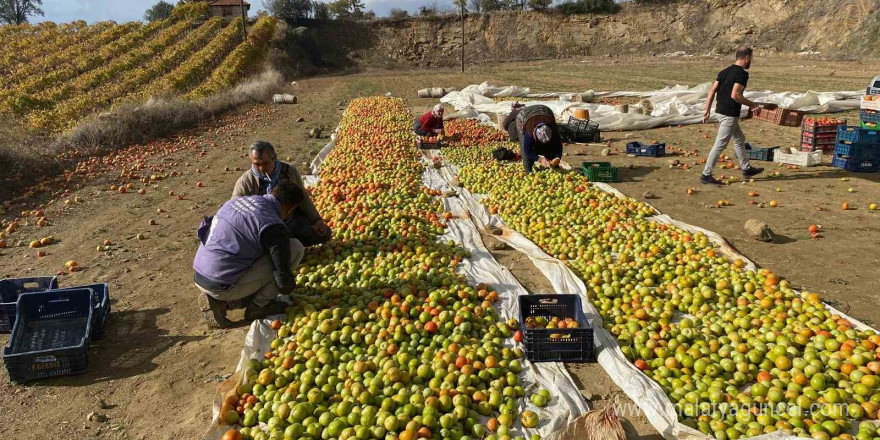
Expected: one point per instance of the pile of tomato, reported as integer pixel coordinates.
(738, 352)
(385, 339)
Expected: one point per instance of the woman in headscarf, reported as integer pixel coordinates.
(430, 123)
(538, 135)
(509, 123)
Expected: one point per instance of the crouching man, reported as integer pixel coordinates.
(267, 172)
(246, 255)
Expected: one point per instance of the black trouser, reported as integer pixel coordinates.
(300, 228)
(417, 128)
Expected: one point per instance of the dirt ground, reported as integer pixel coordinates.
(158, 365)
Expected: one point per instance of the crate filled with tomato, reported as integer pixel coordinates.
(555, 329)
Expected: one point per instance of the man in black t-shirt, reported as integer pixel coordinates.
(729, 87)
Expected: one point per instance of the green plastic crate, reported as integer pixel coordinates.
(599, 171)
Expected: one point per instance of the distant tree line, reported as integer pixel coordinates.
(294, 11)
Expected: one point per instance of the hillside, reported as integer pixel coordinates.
(847, 28)
(53, 76)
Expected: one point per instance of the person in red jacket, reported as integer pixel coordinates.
(430, 123)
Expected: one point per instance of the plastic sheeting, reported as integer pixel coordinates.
(675, 105)
(646, 393)
(567, 403)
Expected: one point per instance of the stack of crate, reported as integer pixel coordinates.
(820, 134)
(858, 149)
(869, 114)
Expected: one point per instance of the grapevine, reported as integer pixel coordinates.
(244, 58)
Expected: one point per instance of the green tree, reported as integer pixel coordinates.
(289, 11)
(18, 11)
(320, 11)
(159, 11)
(356, 7)
(492, 5)
(588, 6)
(540, 5)
(398, 14)
(339, 8)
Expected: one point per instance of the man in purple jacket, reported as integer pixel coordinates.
(246, 255)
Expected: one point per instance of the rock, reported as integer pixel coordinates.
(450, 193)
(102, 404)
(315, 133)
(300, 119)
(499, 246)
(495, 230)
(759, 230)
(649, 195)
(341, 104)
(605, 152)
(456, 182)
(95, 417)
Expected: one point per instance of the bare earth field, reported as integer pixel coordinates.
(158, 365)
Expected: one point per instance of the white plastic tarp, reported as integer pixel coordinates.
(646, 393)
(675, 105)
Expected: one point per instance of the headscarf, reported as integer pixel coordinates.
(271, 181)
(437, 110)
(543, 133)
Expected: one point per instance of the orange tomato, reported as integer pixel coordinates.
(232, 434)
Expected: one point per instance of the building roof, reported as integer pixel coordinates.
(229, 3)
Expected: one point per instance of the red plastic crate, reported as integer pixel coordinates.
(812, 126)
(779, 116)
(819, 138)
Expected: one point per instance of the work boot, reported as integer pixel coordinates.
(214, 311)
(753, 171)
(254, 311)
(709, 180)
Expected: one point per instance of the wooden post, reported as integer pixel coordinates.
(462, 36)
(243, 21)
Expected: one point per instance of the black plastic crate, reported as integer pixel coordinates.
(639, 149)
(101, 310)
(11, 288)
(425, 145)
(51, 335)
(857, 164)
(580, 130)
(754, 153)
(556, 345)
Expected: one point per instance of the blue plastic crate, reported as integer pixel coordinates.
(101, 312)
(754, 153)
(856, 163)
(556, 345)
(858, 135)
(639, 149)
(51, 335)
(860, 150)
(11, 288)
(869, 116)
